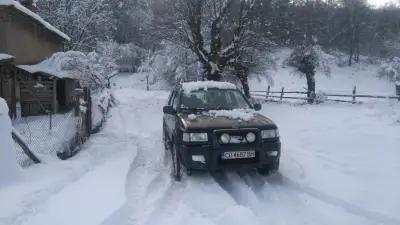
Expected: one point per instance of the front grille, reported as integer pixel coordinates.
(238, 136)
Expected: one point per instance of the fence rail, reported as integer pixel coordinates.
(268, 95)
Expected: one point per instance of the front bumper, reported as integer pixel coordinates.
(267, 152)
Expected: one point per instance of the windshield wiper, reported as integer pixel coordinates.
(193, 109)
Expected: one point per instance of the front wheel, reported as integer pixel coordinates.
(166, 142)
(176, 164)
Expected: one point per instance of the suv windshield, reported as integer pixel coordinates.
(213, 99)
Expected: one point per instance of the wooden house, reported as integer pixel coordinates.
(30, 40)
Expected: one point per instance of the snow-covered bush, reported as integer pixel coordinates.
(314, 55)
(320, 97)
(391, 70)
(8, 160)
(171, 63)
(92, 69)
(128, 57)
(101, 103)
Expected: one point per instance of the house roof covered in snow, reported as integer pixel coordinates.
(60, 65)
(18, 6)
(5, 57)
(56, 65)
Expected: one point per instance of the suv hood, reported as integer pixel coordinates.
(210, 122)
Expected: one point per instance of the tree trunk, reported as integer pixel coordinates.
(311, 87)
(245, 84)
(213, 74)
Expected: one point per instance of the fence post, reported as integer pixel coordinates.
(283, 89)
(268, 90)
(50, 121)
(89, 109)
(354, 94)
(147, 83)
(88, 116)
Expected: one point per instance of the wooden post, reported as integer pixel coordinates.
(50, 121)
(283, 89)
(268, 90)
(354, 94)
(54, 95)
(14, 94)
(398, 91)
(147, 83)
(88, 99)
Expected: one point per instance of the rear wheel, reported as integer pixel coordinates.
(176, 164)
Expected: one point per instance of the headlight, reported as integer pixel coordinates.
(225, 138)
(195, 137)
(251, 137)
(270, 134)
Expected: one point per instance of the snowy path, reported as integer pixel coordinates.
(329, 174)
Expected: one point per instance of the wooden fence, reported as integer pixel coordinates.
(269, 95)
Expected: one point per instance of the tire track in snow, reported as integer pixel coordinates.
(36, 201)
(375, 217)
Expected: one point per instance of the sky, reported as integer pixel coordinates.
(380, 2)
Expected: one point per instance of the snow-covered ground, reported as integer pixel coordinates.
(340, 165)
(341, 79)
(8, 162)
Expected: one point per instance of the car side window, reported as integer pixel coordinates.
(171, 98)
(175, 101)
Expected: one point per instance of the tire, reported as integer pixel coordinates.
(176, 164)
(167, 145)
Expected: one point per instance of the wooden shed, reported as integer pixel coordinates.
(43, 91)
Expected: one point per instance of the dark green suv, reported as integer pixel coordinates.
(212, 126)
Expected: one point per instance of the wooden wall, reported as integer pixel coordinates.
(29, 41)
(37, 94)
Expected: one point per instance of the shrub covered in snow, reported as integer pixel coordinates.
(93, 70)
(171, 63)
(391, 70)
(8, 160)
(128, 57)
(101, 102)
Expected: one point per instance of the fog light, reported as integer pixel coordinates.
(273, 153)
(198, 158)
(251, 137)
(225, 138)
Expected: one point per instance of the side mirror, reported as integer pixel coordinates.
(169, 110)
(257, 107)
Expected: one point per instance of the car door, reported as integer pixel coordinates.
(168, 118)
(174, 118)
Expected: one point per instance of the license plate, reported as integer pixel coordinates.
(239, 155)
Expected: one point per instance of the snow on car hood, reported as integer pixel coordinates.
(226, 119)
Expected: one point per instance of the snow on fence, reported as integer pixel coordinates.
(269, 95)
(60, 135)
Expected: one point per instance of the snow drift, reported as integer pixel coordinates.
(8, 162)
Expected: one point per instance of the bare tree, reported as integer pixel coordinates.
(218, 32)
